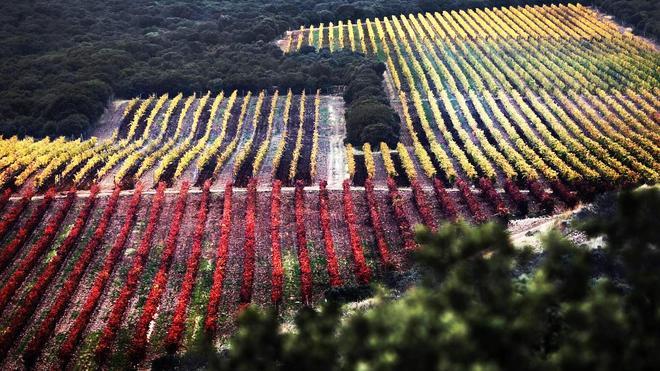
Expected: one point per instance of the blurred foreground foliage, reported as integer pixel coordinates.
(485, 305)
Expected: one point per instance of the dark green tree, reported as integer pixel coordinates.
(379, 132)
(369, 112)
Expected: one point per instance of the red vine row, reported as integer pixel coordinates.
(564, 194)
(519, 200)
(471, 201)
(422, 205)
(6, 194)
(275, 222)
(301, 240)
(328, 243)
(27, 263)
(362, 271)
(493, 197)
(377, 223)
(139, 342)
(69, 345)
(248, 247)
(400, 215)
(71, 283)
(211, 320)
(177, 326)
(119, 307)
(26, 229)
(11, 217)
(444, 199)
(537, 191)
(25, 310)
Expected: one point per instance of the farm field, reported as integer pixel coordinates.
(152, 236)
(554, 94)
(224, 137)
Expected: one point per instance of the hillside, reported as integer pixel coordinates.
(186, 203)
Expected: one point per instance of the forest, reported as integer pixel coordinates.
(61, 63)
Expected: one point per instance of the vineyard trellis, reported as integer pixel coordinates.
(505, 112)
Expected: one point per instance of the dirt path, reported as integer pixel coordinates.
(337, 171)
(110, 120)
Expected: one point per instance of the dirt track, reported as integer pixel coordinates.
(336, 156)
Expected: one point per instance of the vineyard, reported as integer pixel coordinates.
(552, 94)
(223, 137)
(122, 248)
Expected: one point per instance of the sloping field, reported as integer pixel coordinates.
(551, 94)
(224, 137)
(197, 206)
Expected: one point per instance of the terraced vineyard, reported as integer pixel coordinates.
(185, 209)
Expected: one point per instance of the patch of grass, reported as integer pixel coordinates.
(148, 274)
(372, 258)
(118, 359)
(85, 359)
(291, 289)
(319, 267)
(198, 302)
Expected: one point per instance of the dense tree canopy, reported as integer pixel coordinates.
(369, 117)
(642, 15)
(370, 120)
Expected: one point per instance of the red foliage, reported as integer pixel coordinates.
(422, 205)
(69, 345)
(564, 194)
(519, 200)
(539, 193)
(220, 262)
(248, 246)
(400, 215)
(377, 224)
(11, 217)
(446, 202)
(301, 241)
(587, 189)
(471, 201)
(27, 263)
(71, 283)
(24, 232)
(130, 284)
(31, 300)
(139, 342)
(278, 270)
(178, 321)
(493, 197)
(324, 216)
(6, 194)
(362, 270)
